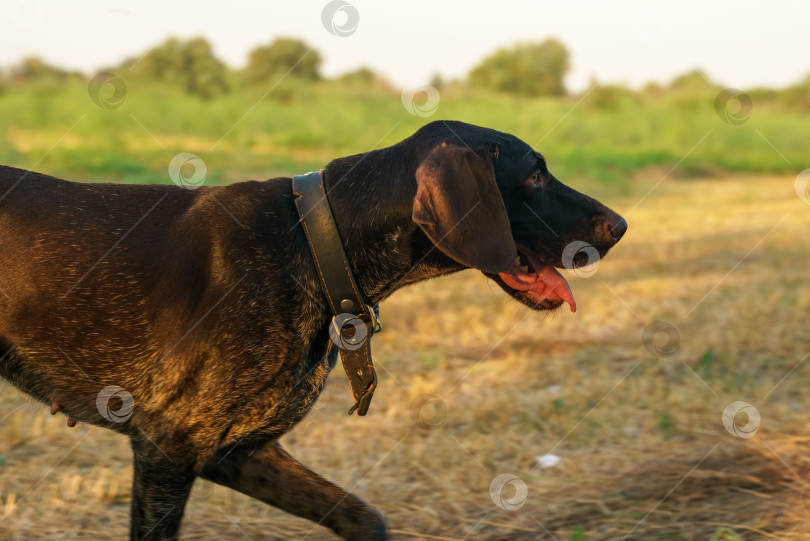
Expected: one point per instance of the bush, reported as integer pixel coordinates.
(797, 97)
(360, 77)
(191, 64)
(284, 56)
(609, 97)
(527, 69)
(34, 70)
(692, 90)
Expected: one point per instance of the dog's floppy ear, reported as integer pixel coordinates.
(460, 209)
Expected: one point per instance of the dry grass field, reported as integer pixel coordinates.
(636, 421)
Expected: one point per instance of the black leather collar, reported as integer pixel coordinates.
(354, 321)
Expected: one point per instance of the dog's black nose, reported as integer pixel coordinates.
(617, 228)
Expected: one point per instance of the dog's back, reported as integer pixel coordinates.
(100, 281)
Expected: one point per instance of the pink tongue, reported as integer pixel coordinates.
(543, 283)
(554, 280)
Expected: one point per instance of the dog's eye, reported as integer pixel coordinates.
(536, 180)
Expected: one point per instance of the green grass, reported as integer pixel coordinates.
(299, 127)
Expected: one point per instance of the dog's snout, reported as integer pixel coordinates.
(613, 228)
(617, 229)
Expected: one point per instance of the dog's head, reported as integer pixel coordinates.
(487, 200)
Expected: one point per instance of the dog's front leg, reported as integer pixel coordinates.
(271, 475)
(160, 489)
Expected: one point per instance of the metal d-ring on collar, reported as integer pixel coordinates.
(354, 320)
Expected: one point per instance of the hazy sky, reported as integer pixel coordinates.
(738, 43)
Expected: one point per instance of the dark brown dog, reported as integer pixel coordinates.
(194, 321)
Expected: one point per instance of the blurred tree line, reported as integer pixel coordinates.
(190, 64)
(526, 69)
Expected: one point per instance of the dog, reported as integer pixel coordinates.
(195, 321)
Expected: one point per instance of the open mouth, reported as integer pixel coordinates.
(542, 283)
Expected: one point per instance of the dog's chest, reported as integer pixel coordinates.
(289, 399)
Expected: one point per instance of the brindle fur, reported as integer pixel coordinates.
(205, 305)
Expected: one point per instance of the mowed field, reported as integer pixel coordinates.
(474, 386)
